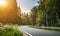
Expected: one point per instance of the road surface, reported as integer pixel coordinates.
(38, 32)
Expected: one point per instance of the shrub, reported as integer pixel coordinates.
(9, 30)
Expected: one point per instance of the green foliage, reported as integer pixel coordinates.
(9, 30)
(48, 12)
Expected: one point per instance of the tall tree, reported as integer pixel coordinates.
(34, 15)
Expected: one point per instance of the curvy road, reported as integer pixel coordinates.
(38, 32)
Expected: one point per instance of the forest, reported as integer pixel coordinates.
(47, 13)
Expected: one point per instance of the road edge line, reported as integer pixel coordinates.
(26, 33)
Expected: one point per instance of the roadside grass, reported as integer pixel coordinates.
(10, 30)
(44, 28)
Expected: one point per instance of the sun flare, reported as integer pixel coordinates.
(3, 2)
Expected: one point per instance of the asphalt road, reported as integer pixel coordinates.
(39, 32)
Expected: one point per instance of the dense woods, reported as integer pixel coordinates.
(47, 13)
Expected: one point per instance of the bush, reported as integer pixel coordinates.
(9, 30)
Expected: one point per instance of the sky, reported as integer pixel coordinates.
(26, 5)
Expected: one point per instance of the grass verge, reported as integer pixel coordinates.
(44, 28)
(10, 30)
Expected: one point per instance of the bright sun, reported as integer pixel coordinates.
(3, 2)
